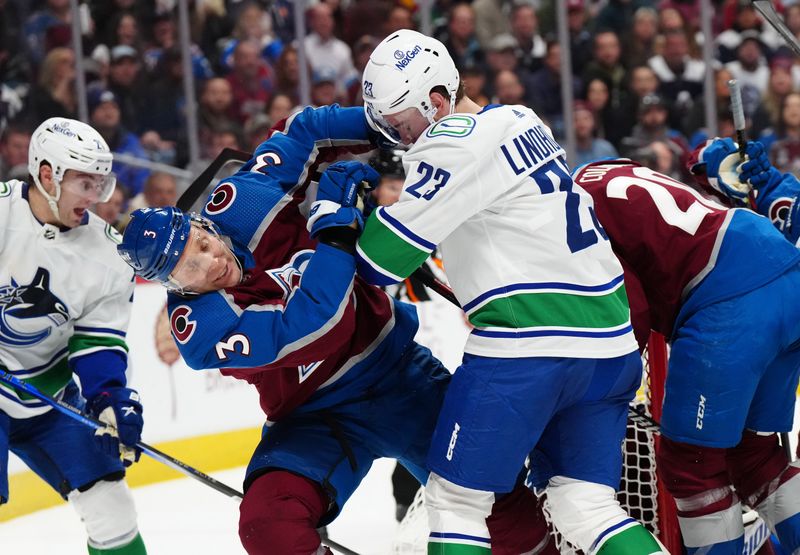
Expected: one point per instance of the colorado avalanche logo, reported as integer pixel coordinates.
(182, 327)
(29, 312)
(288, 276)
(221, 199)
(779, 211)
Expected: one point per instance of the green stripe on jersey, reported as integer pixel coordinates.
(80, 342)
(135, 547)
(529, 310)
(635, 540)
(388, 251)
(438, 548)
(51, 381)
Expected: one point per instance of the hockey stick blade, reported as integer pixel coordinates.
(767, 11)
(201, 183)
(75, 414)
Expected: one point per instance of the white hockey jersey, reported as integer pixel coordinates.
(524, 252)
(63, 295)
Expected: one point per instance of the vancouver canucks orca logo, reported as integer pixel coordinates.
(28, 312)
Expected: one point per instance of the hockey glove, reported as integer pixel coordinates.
(337, 203)
(757, 169)
(120, 410)
(721, 160)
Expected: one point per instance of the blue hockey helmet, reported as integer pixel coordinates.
(154, 240)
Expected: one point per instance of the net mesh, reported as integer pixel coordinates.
(640, 493)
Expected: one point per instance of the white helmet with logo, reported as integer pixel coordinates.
(400, 74)
(68, 144)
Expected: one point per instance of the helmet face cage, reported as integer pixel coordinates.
(400, 74)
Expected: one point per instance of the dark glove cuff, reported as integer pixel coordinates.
(342, 238)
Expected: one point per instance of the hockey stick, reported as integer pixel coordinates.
(326, 539)
(201, 183)
(767, 11)
(74, 413)
(737, 110)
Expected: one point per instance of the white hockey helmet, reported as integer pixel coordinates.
(400, 74)
(68, 144)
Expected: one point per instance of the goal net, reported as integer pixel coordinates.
(640, 492)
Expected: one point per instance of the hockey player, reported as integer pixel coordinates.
(724, 287)
(339, 376)
(552, 361)
(65, 302)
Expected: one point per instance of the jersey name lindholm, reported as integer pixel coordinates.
(529, 149)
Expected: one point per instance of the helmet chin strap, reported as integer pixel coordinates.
(52, 201)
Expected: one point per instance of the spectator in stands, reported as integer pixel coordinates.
(323, 49)
(491, 19)
(767, 113)
(113, 210)
(617, 15)
(215, 105)
(598, 98)
(606, 65)
(750, 70)
(459, 36)
(681, 75)
(580, 39)
(165, 37)
(689, 12)
(474, 79)
(361, 51)
(124, 72)
(640, 43)
(287, 74)
(694, 125)
(399, 17)
(160, 189)
(589, 146)
(503, 54)
(15, 62)
(784, 143)
(652, 126)
(14, 144)
(252, 81)
(662, 157)
(509, 90)
(544, 95)
(105, 117)
(55, 13)
(124, 29)
(525, 29)
(252, 24)
(164, 121)
(323, 87)
(280, 106)
(54, 94)
(745, 18)
(256, 130)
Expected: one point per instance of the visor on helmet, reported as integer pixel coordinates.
(95, 187)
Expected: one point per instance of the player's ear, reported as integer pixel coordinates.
(441, 103)
(46, 178)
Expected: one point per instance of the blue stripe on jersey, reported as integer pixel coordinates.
(610, 529)
(32, 404)
(454, 536)
(552, 332)
(100, 330)
(543, 285)
(52, 360)
(404, 230)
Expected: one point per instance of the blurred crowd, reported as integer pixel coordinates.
(637, 73)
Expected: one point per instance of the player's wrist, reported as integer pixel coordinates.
(342, 238)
